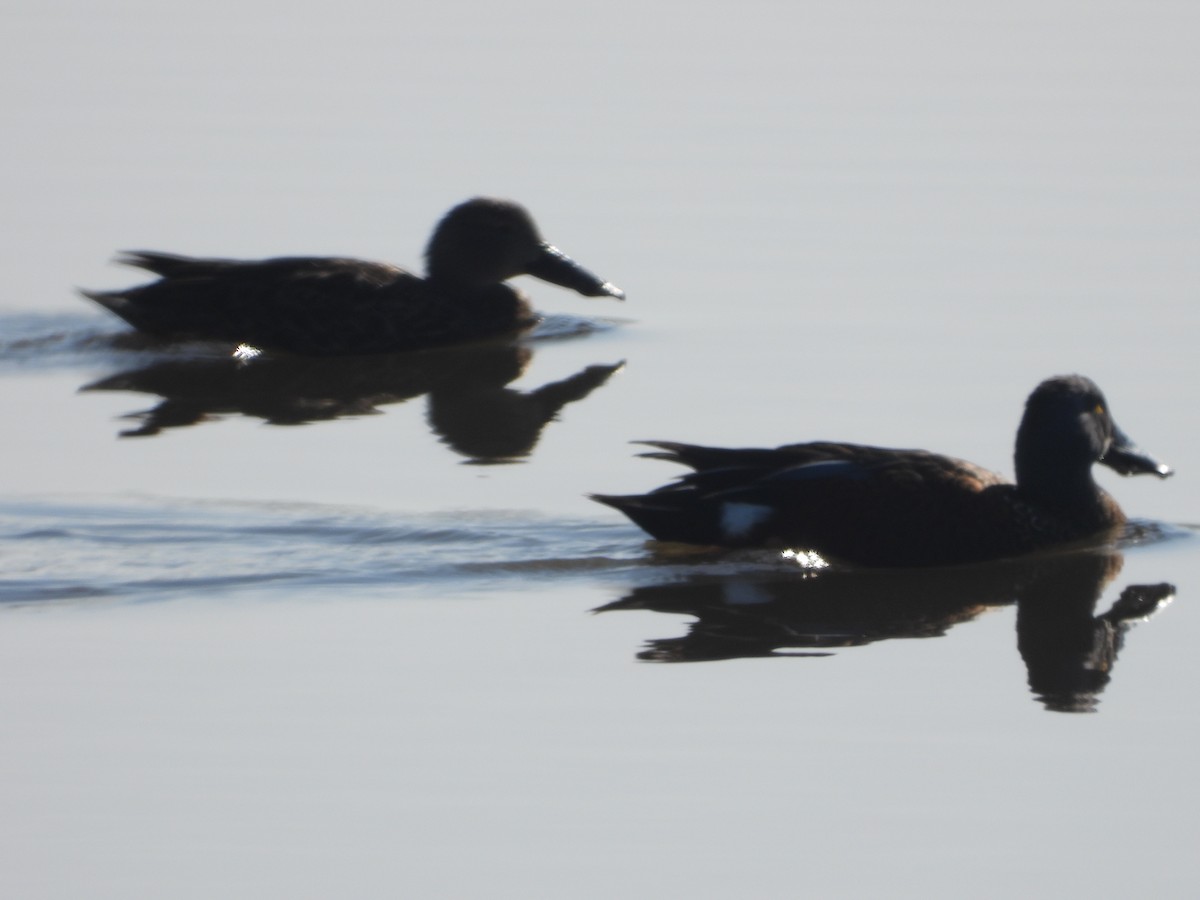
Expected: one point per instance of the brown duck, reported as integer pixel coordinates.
(881, 507)
(332, 305)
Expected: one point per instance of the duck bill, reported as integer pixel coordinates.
(1127, 458)
(556, 267)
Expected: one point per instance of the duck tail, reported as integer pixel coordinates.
(660, 517)
(166, 265)
(124, 306)
(633, 506)
(113, 301)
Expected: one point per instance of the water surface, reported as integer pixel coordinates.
(327, 629)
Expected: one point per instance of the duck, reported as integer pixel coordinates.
(877, 506)
(322, 306)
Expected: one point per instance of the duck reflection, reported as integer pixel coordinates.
(1069, 650)
(470, 406)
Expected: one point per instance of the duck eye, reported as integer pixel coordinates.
(1098, 409)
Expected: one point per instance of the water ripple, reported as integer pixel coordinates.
(74, 548)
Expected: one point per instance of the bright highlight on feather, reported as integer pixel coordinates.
(245, 352)
(805, 559)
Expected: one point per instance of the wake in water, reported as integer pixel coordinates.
(61, 341)
(157, 549)
(81, 340)
(56, 549)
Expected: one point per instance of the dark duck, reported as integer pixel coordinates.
(875, 506)
(332, 305)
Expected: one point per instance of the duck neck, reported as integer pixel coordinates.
(1057, 486)
(459, 267)
(454, 285)
(1054, 469)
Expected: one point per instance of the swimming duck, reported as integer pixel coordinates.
(324, 306)
(882, 507)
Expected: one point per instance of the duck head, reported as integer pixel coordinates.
(1066, 428)
(485, 241)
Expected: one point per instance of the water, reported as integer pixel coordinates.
(328, 628)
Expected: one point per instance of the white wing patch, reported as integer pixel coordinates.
(739, 519)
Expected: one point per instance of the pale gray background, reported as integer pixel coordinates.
(867, 220)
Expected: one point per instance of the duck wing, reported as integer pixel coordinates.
(873, 505)
(311, 305)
